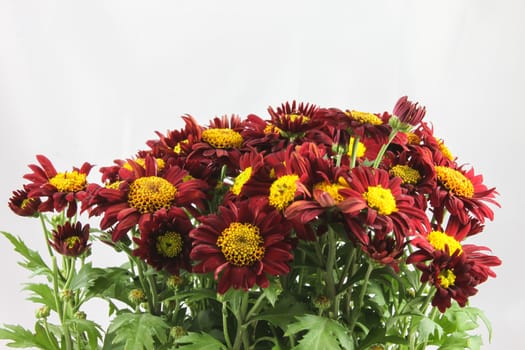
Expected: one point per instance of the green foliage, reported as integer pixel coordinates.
(138, 331)
(320, 333)
(23, 338)
(199, 341)
(33, 261)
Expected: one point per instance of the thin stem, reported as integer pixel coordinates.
(383, 149)
(46, 234)
(329, 272)
(362, 294)
(225, 324)
(59, 306)
(354, 152)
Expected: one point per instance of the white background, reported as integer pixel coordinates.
(92, 81)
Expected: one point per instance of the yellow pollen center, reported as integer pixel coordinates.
(361, 148)
(271, 129)
(439, 240)
(331, 189)
(407, 174)
(412, 139)
(381, 199)
(151, 193)
(222, 138)
(240, 180)
(169, 244)
(113, 185)
(26, 202)
(177, 149)
(69, 182)
(455, 181)
(444, 149)
(293, 117)
(142, 163)
(72, 241)
(365, 117)
(282, 191)
(241, 244)
(447, 278)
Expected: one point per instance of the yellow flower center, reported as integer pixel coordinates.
(365, 117)
(293, 117)
(151, 193)
(455, 181)
(407, 174)
(72, 241)
(222, 138)
(271, 129)
(240, 180)
(444, 149)
(177, 149)
(282, 191)
(69, 182)
(26, 202)
(142, 163)
(361, 148)
(241, 244)
(439, 240)
(381, 199)
(331, 189)
(169, 244)
(447, 278)
(412, 139)
(113, 185)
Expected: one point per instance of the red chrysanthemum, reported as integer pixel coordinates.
(242, 244)
(452, 268)
(141, 193)
(164, 242)
(21, 204)
(70, 239)
(376, 201)
(409, 112)
(61, 189)
(462, 193)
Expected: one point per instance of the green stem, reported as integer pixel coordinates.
(346, 268)
(354, 152)
(46, 234)
(59, 306)
(329, 272)
(225, 325)
(362, 294)
(383, 149)
(241, 338)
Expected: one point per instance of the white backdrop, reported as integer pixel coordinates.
(92, 81)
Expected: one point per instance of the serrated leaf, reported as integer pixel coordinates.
(199, 341)
(90, 328)
(45, 341)
(21, 337)
(138, 331)
(33, 260)
(42, 294)
(427, 327)
(272, 292)
(284, 312)
(84, 278)
(321, 333)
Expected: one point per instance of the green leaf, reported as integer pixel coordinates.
(138, 331)
(85, 277)
(321, 333)
(41, 293)
(199, 341)
(23, 338)
(284, 312)
(33, 260)
(427, 327)
(90, 328)
(272, 292)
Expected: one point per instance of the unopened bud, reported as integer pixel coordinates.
(322, 302)
(80, 315)
(377, 347)
(67, 294)
(178, 332)
(175, 281)
(43, 312)
(136, 296)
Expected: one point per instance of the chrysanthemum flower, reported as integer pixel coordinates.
(462, 193)
(71, 240)
(409, 112)
(376, 200)
(142, 193)
(164, 242)
(452, 268)
(23, 205)
(176, 143)
(61, 189)
(242, 244)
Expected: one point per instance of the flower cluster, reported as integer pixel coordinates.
(316, 201)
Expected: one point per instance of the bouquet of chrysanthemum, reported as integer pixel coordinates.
(315, 228)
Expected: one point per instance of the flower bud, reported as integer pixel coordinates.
(43, 312)
(80, 315)
(175, 281)
(66, 294)
(322, 302)
(377, 347)
(136, 296)
(178, 332)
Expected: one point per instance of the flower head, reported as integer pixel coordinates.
(21, 204)
(71, 239)
(242, 244)
(60, 189)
